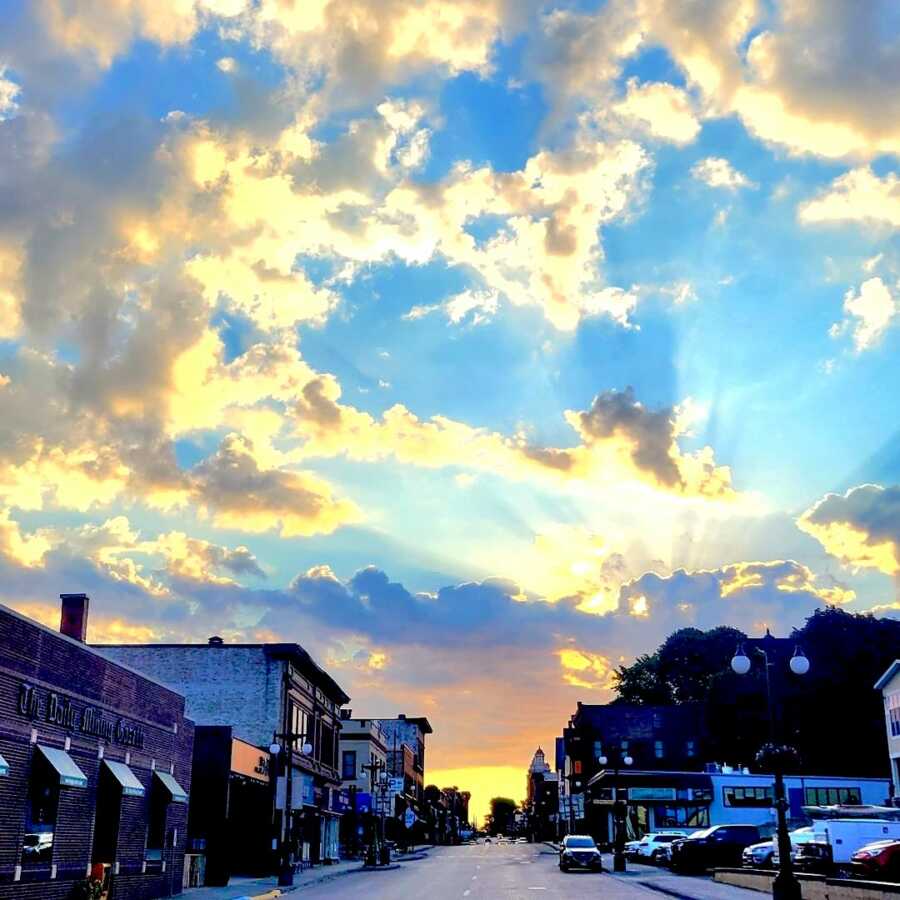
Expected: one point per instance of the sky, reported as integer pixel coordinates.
(474, 344)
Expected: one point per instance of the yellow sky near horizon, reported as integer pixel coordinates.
(483, 783)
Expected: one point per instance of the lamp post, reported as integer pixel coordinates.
(377, 774)
(286, 853)
(785, 886)
(621, 758)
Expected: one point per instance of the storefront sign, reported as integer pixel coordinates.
(651, 793)
(249, 761)
(59, 710)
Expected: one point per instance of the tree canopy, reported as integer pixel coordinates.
(832, 715)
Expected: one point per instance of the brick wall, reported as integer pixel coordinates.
(48, 662)
(237, 686)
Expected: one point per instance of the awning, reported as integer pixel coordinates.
(131, 787)
(66, 767)
(176, 791)
(4, 767)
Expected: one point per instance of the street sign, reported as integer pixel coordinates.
(409, 819)
(396, 785)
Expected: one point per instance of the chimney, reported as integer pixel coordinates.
(73, 621)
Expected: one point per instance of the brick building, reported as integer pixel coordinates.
(260, 690)
(96, 766)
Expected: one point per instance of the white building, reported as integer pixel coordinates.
(889, 685)
(659, 800)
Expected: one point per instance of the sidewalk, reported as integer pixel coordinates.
(267, 888)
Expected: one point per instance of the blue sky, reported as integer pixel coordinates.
(538, 297)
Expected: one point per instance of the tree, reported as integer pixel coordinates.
(503, 811)
(832, 715)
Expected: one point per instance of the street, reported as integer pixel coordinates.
(515, 872)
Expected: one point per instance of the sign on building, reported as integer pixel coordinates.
(651, 793)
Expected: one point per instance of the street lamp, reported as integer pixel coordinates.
(785, 886)
(288, 739)
(621, 759)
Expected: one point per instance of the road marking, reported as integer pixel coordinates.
(537, 889)
(466, 892)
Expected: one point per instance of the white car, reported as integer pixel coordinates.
(651, 843)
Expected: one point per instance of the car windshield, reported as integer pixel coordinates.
(705, 832)
(580, 842)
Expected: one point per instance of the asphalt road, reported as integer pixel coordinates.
(514, 872)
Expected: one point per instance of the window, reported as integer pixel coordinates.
(41, 805)
(658, 749)
(748, 796)
(829, 796)
(690, 748)
(300, 722)
(348, 765)
(677, 816)
(702, 793)
(326, 745)
(894, 716)
(156, 821)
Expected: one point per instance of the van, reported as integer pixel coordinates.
(838, 839)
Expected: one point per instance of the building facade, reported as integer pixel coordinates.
(95, 771)
(889, 685)
(660, 800)
(363, 756)
(231, 789)
(653, 737)
(265, 692)
(410, 732)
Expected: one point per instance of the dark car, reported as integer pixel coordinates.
(879, 860)
(721, 845)
(578, 851)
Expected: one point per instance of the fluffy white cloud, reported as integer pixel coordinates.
(478, 307)
(869, 313)
(856, 196)
(9, 92)
(662, 110)
(719, 173)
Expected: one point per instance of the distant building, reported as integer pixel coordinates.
(889, 685)
(410, 732)
(542, 798)
(259, 691)
(362, 747)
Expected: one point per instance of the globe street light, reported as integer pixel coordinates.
(777, 757)
(619, 807)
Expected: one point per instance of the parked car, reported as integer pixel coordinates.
(630, 849)
(650, 844)
(37, 846)
(721, 845)
(798, 836)
(759, 856)
(578, 851)
(830, 843)
(879, 861)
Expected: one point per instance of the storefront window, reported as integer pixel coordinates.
(829, 796)
(760, 797)
(156, 822)
(683, 816)
(106, 820)
(41, 806)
